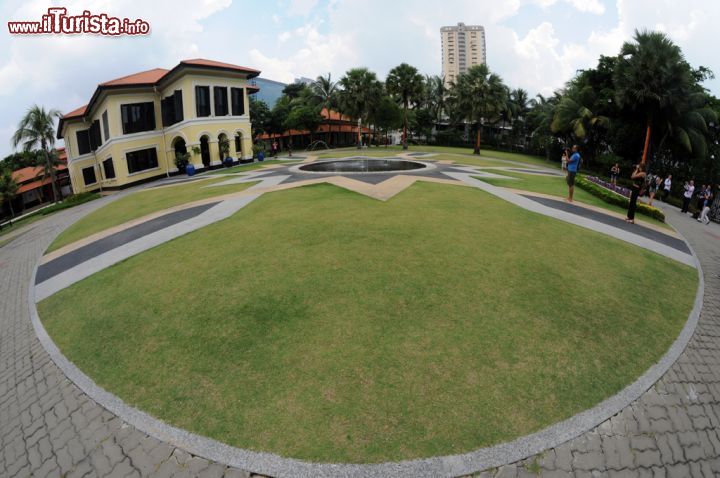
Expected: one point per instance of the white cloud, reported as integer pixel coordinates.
(589, 6)
(313, 54)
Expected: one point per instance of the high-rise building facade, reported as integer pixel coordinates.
(463, 46)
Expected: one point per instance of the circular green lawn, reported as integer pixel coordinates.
(321, 324)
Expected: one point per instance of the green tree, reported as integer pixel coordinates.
(303, 117)
(324, 91)
(520, 104)
(387, 116)
(37, 130)
(259, 117)
(652, 79)
(8, 190)
(294, 90)
(435, 96)
(407, 85)
(573, 116)
(360, 90)
(480, 96)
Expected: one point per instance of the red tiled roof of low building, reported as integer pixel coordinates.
(148, 77)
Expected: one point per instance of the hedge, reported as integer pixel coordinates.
(71, 201)
(614, 198)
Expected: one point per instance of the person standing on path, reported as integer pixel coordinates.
(687, 195)
(701, 197)
(564, 159)
(666, 187)
(653, 183)
(638, 179)
(706, 207)
(614, 173)
(572, 169)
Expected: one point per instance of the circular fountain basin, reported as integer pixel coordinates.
(362, 165)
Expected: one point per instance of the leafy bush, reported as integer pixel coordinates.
(181, 160)
(615, 198)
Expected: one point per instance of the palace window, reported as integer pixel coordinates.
(83, 141)
(109, 168)
(238, 101)
(89, 175)
(141, 160)
(202, 101)
(137, 117)
(221, 100)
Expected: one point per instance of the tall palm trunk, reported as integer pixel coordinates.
(52, 172)
(477, 139)
(647, 142)
(404, 141)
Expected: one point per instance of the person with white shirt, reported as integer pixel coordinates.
(687, 195)
(666, 187)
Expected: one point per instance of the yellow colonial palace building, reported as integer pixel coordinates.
(134, 127)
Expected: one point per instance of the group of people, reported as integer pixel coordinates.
(642, 182)
(703, 197)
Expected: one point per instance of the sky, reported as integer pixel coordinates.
(533, 44)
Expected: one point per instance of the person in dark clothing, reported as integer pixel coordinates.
(638, 179)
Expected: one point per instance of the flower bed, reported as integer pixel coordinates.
(595, 186)
(612, 187)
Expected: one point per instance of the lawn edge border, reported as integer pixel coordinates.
(450, 465)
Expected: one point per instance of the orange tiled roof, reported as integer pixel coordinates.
(334, 115)
(32, 172)
(217, 64)
(149, 77)
(77, 112)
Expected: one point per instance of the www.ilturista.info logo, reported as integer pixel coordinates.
(57, 21)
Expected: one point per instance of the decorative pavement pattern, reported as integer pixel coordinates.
(49, 427)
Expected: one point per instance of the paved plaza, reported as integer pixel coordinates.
(50, 427)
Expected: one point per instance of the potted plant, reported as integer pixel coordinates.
(182, 160)
(259, 151)
(224, 147)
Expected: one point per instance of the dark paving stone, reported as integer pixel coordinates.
(652, 234)
(85, 253)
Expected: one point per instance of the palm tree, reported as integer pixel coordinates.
(520, 102)
(688, 125)
(359, 89)
(651, 79)
(572, 116)
(8, 190)
(480, 96)
(37, 130)
(406, 84)
(324, 91)
(435, 95)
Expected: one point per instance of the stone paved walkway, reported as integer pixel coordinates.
(48, 427)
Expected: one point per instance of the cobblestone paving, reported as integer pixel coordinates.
(48, 427)
(673, 430)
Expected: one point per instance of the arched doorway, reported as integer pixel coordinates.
(238, 146)
(205, 151)
(223, 146)
(181, 157)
